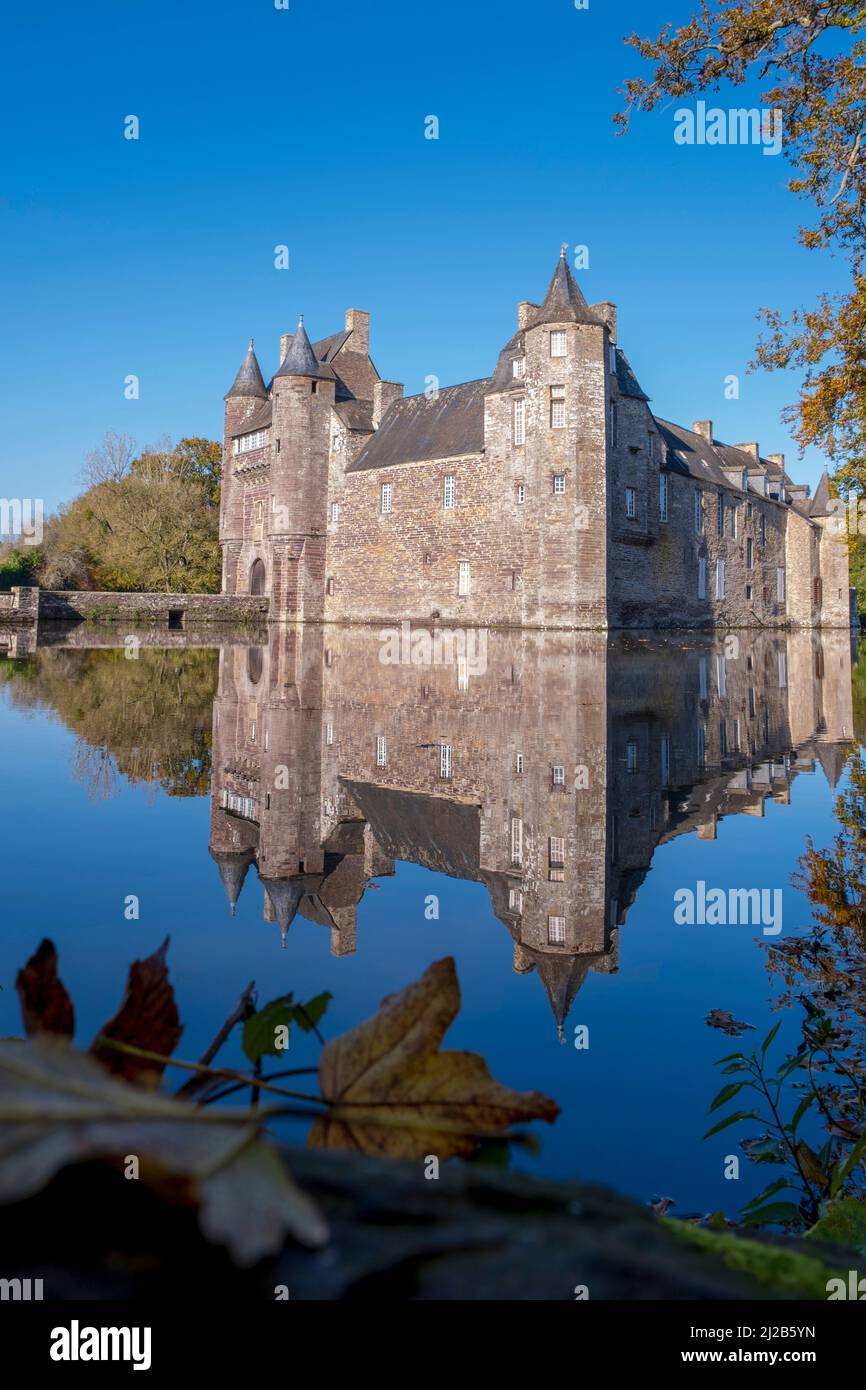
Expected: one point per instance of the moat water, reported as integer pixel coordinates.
(544, 810)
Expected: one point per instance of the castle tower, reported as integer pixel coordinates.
(244, 402)
(303, 397)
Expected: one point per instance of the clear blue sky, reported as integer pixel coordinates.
(306, 127)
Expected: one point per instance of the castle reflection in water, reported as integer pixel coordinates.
(549, 771)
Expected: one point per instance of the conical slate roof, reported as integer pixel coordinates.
(562, 977)
(564, 302)
(820, 503)
(300, 360)
(233, 868)
(249, 380)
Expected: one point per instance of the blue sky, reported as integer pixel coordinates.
(305, 127)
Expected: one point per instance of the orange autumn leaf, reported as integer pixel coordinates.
(393, 1092)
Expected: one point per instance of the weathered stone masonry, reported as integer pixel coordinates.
(547, 495)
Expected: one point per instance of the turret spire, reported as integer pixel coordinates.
(564, 302)
(300, 360)
(249, 380)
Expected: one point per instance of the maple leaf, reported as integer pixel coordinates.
(59, 1107)
(393, 1093)
(147, 1018)
(45, 1005)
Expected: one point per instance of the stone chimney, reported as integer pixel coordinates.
(607, 313)
(753, 449)
(705, 429)
(385, 393)
(358, 324)
(777, 458)
(523, 311)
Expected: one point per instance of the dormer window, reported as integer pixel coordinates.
(745, 481)
(518, 368)
(766, 484)
(559, 343)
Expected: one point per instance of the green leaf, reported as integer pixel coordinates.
(775, 1214)
(799, 1113)
(727, 1093)
(731, 1120)
(260, 1030)
(770, 1191)
(308, 1015)
(844, 1170)
(843, 1221)
(769, 1038)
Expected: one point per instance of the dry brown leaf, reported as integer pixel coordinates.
(394, 1093)
(147, 1018)
(59, 1107)
(45, 1005)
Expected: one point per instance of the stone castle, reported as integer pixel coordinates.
(546, 495)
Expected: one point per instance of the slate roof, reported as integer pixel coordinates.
(503, 378)
(691, 454)
(301, 360)
(356, 415)
(626, 379)
(416, 428)
(249, 380)
(259, 420)
(564, 302)
(820, 503)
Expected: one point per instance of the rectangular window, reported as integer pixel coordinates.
(723, 738)
(558, 343)
(750, 552)
(381, 751)
(613, 359)
(720, 578)
(665, 759)
(663, 496)
(699, 512)
(518, 368)
(329, 734)
(702, 746)
(702, 677)
(557, 407)
(763, 530)
(518, 422)
(780, 585)
(516, 840)
(702, 577)
(783, 671)
(330, 585)
(445, 760)
(385, 497)
(735, 739)
(722, 676)
(748, 511)
(515, 900)
(748, 593)
(557, 851)
(630, 503)
(559, 485)
(463, 578)
(631, 756)
(448, 493)
(558, 776)
(520, 493)
(335, 511)
(247, 442)
(720, 515)
(614, 425)
(751, 702)
(733, 521)
(556, 931)
(519, 762)
(818, 591)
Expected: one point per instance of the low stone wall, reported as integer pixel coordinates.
(19, 605)
(163, 610)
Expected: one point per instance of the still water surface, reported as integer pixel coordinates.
(532, 813)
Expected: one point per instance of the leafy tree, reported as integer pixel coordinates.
(810, 52)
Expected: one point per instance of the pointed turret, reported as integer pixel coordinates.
(562, 977)
(249, 380)
(233, 868)
(820, 503)
(564, 302)
(300, 360)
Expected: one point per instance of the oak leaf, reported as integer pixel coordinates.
(45, 1005)
(147, 1018)
(393, 1092)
